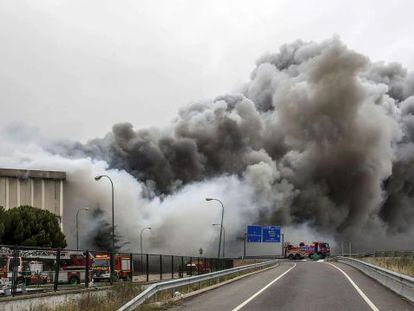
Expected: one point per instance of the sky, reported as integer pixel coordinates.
(71, 69)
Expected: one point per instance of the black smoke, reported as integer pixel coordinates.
(324, 136)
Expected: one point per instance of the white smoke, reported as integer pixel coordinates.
(181, 222)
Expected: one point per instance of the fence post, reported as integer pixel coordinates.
(131, 266)
(147, 267)
(172, 266)
(87, 269)
(198, 265)
(57, 268)
(182, 266)
(111, 266)
(160, 267)
(15, 269)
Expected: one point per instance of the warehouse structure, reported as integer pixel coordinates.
(42, 189)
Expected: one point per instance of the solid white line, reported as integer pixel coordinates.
(262, 290)
(367, 300)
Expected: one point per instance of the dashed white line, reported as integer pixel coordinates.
(262, 290)
(367, 300)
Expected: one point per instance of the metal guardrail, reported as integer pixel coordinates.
(397, 282)
(153, 289)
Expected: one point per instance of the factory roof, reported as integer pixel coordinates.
(25, 174)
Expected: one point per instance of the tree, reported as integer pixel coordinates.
(31, 226)
(102, 237)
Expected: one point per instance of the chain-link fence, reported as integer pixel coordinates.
(26, 270)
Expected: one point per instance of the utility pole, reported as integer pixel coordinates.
(224, 239)
(111, 254)
(221, 224)
(140, 242)
(244, 245)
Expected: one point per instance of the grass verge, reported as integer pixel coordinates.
(115, 298)
(403, 265)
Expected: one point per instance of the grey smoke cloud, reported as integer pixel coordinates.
(319, 139)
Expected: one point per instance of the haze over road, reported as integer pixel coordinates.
(307, 286)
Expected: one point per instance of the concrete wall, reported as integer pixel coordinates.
(50, 300)
(3, 192)
(42, 189)
(31, 192)
(37, 195)
(12, 192)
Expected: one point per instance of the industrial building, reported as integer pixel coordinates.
(42, 189)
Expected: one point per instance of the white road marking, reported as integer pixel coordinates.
(262, 290)
(367, 300)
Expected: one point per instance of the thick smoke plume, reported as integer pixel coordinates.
(320, 139)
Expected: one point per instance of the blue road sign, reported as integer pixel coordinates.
(265, 234)
(271, 234)
(254, 230)
(254, 239)
(254, 234)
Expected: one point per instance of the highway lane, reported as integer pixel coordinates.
(307, 286)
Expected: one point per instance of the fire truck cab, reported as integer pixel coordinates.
(101, 267)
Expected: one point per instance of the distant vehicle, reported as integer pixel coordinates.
(100, 267)
(37, 266)
(197, 267)
(292, 252)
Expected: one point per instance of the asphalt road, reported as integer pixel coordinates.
(302, 285)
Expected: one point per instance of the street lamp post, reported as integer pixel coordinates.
(113, 225)
(224, 239)
(140, 245)
(221, 224)
(77, 225)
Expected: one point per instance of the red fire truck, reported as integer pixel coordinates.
(100, 267)
(197, 267)
(322, 249)
(37, 266)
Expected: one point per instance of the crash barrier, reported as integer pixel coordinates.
(25, 270)
(399, 283)
(174, 284)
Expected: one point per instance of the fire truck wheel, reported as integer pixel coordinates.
(291, 257)
(74, 280)
(297, 256)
